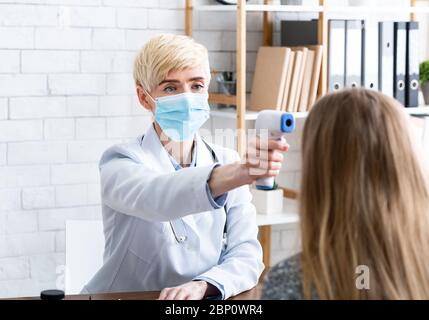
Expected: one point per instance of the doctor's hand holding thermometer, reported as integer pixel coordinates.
(264, 155)
(272, 125)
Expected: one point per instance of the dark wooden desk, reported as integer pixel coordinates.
(253, 294)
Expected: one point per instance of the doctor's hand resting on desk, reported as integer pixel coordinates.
(177, 210)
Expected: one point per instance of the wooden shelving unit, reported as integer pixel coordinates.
(315, 9)
(267, 8)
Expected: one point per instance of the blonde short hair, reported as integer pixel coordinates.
(166, 52)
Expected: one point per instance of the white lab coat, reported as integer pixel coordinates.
(161, 229)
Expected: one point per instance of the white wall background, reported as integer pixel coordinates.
(66, 94)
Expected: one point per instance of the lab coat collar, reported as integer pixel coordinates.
(204, 155)
(152, 147)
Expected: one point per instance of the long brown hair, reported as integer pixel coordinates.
(364, 200)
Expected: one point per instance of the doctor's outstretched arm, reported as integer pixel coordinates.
(265, 160)
(131, 186)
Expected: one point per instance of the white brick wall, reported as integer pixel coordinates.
(36, 153)
(19, 222)
(3, 108)
(10, 199)
(59, 129)
(18, 130)
(53, 61)
(10, 61)
(74, 173)
(109, 39)
(14, 268)
(3, 154)
(132, 18)
(90, 128)
(66, 94)
(37, 198)
(91, 17)
(26, 243)
(54, 219)
(88, 151)
(37, 107)
(23, 85)
(71, 195)
(68, 38)
(28, 15)
(82, 106)
(123, 127)
(22, 176)
(77, 84)
(16, 37)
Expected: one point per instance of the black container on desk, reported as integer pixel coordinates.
(52, 295)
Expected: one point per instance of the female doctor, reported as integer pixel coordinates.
(177, 211)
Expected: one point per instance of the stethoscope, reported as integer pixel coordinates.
(181, 238)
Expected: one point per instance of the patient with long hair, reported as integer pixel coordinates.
(363, 204)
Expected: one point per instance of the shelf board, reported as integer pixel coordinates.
(317, 9)
(230, 113)
(288, 216)
(260, 8)
(283, 8)
(222, 98)
(419, 111)
(276, 218)
(377, 9)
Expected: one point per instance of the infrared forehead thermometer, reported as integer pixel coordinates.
(271, 124)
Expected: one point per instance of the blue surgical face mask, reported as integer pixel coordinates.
(181, 115)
